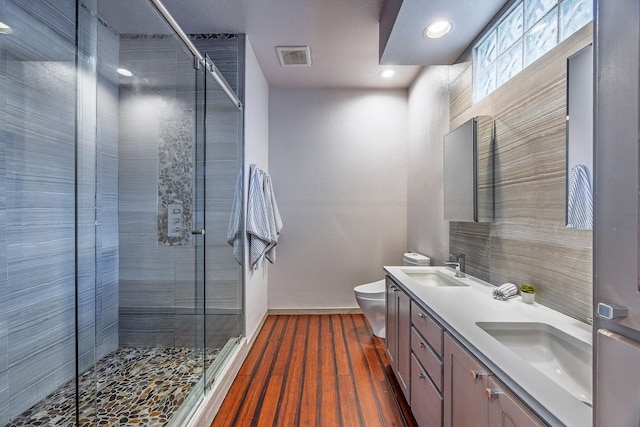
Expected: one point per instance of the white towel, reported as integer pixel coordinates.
(580, 199)
(263, 217)
(234, 233)
(505, 291)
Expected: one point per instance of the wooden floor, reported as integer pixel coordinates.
(312, 370)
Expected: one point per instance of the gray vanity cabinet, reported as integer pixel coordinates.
(441, 380)
(475, 398)
(391, 323)
(414, 347)
(426, 368)
(465, 404)
(398, 331)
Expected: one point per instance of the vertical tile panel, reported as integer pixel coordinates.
(4, 333)
(39, 331)
(107, 266)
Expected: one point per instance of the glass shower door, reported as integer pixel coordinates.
(224, 311)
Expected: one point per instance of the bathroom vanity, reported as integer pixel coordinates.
(463, 358)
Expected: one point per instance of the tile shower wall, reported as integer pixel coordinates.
(528, 241)
(150, 266)
(107, 244)
(38, 293)
(4, 288)
(157, 291)
(225, 50)
(37, 224)
(97, 178)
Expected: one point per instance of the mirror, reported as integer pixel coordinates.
(579, 190)
(468, 171)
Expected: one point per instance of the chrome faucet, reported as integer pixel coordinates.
(458, 263)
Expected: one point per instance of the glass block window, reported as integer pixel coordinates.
(527, 31)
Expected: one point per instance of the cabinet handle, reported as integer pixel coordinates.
(422, 345)
(492, 392)
(421, 315)
(612, 311)
(422, 375)
(478, 374)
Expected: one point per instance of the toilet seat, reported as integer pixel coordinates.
(375, 290)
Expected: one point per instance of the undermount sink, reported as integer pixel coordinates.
(431, 278)
(558, 355)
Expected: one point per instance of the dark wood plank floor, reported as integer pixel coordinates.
(312, 370)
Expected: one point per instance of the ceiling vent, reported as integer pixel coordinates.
(294, 56)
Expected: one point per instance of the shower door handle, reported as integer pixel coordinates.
(201, 232)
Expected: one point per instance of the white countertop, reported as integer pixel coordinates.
(458, 308)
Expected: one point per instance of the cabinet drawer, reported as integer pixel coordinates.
(427, 327)
(426, 401)
(427, 358)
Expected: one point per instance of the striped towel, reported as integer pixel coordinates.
(234, 233)
(263, 218)
(506, 291)
(580, 199)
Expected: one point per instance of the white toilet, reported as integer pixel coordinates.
(371, 296)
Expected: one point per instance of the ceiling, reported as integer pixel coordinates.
(343, 35)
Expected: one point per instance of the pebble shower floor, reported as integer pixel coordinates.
(135, 387)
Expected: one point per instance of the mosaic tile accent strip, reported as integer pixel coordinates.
(175, 177)
(135, 387)
(218, 36)
(126, 36)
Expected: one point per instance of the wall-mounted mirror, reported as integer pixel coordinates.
(468, 171)
(579, 199)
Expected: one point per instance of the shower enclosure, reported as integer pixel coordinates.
(120, 145)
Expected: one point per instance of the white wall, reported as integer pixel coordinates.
(338, 161)
(427, 232)
(256, 137)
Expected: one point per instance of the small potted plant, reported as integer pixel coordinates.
(528, 293)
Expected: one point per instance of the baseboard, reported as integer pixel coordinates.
(334, 310)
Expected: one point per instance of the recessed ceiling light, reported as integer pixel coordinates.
(124, 72)
(388, 73)
(5, 29)
(437, 29)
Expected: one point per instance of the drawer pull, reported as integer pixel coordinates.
(422, 375)
(421, 315)
(422, 345)
(478, 374)
(492, 393)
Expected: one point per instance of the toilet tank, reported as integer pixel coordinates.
(412, 258)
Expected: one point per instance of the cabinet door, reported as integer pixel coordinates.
(617, 214)
(391, 326)
(506, 410)
(426, 405)
(404, 343)
(465, 383)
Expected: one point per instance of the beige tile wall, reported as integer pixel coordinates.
(528, 241)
